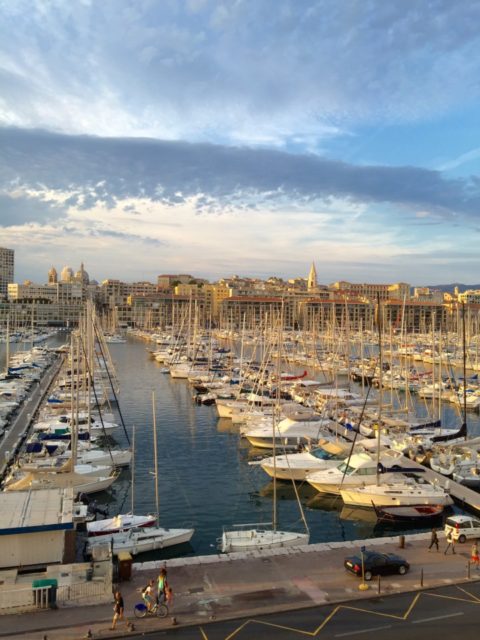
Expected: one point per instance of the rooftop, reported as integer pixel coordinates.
(29, 511)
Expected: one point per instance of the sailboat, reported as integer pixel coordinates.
(254, 536)
(139, 539)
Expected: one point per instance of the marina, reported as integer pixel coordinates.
(210, 477)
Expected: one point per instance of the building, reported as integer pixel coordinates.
(36, 528)
(312, 278)
(471, 296)
(7, 257)
(52, 276)
(166, 281)
(372, 292)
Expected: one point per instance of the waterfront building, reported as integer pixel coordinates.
(161, 310)
(325, 313)
(7, 263)
(256, 310)
(371, 291)
(60, 292)
(36, 528)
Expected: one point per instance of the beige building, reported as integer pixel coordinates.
(60, 292)
(471, 296)
(7, 257)
(372, 292)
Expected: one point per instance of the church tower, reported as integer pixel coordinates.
(52, 276)
(312, 278)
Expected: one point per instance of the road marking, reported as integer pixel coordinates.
(354, 633)
(448, 615)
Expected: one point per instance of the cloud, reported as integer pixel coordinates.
(269, 72)
(89, 170)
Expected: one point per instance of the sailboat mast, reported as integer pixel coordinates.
(464, 344)
(380, 381)
(7, 346)
(133, 469)
(155, 456)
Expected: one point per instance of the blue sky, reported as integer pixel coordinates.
(148, 137)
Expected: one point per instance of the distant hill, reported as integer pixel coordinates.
(448, 288)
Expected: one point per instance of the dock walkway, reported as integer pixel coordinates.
(18, 428)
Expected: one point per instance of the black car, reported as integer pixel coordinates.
(376, 564)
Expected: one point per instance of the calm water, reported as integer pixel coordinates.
(204, 477)
(205, 480)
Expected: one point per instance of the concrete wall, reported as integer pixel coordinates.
(26, 549)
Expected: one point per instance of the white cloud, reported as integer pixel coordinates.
(259, 73)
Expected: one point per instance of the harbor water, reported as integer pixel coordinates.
(205, 480)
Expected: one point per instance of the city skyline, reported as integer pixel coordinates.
(224, 138)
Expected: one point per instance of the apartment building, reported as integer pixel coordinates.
(7, 263)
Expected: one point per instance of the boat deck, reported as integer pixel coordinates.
(464, 495)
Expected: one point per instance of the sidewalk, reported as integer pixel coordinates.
(245, 585)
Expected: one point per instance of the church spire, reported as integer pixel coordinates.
(312, 278)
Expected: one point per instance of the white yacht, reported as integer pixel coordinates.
(387, 494)
(361, 469)
(289, 434)
(296, 466)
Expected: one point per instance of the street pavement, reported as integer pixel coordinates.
(246, 585)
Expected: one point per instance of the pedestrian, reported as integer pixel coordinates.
(169, 598)
(162, 585)
(433, 540)
(474, 557)
(450, 543)
(118, 608)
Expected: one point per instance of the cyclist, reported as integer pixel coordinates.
(148, 595)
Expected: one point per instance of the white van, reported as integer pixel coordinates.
(463, 527)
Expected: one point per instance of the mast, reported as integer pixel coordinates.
(380, 382)
(155, 457)
(7, 346)
(133, 468)
(464, 344)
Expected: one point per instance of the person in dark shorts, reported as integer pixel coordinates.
(118, 608)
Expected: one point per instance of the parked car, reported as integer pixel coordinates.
(463, 528)
(376, 564)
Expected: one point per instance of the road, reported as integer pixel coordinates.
(21, 422)
(448, 612)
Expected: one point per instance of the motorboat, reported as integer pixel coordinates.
(289, 434)
(296, 466)
(359, 469)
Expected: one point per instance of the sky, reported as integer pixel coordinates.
(222, 137)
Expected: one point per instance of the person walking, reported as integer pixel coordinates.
(118, 609)
(450, 543)
(433, 540)
(162, 585)
(474, 557)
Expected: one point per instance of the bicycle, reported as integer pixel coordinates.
(158, 609)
